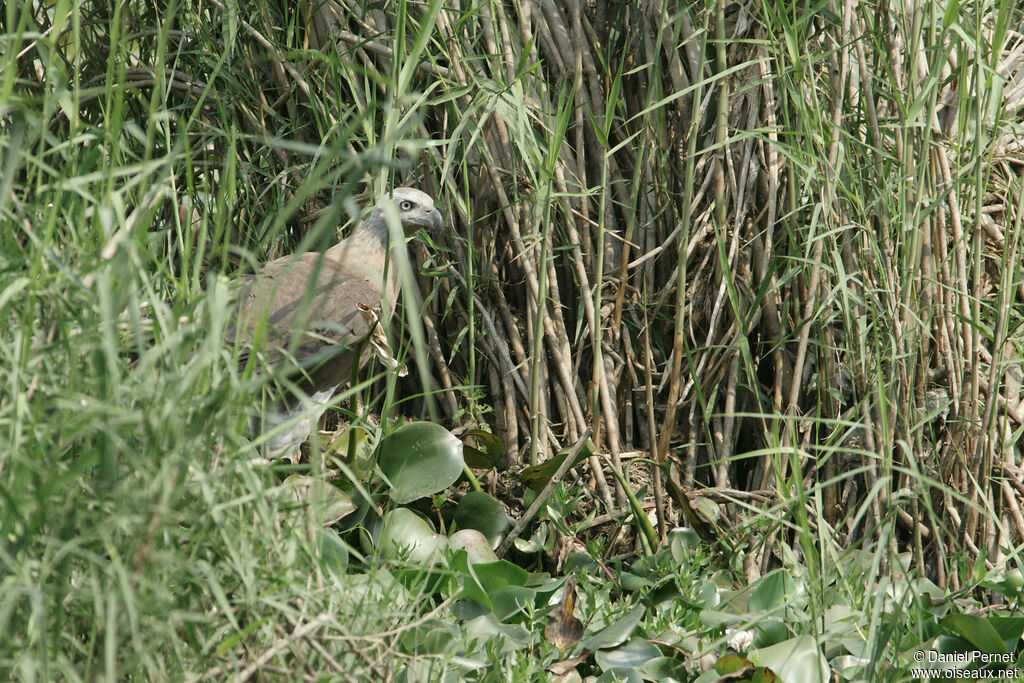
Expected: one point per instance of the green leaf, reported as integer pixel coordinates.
(362, 462)
(633, 655)
(333, 550)
(478, 548)
(471, 586)
(632, 583)
(320, 499)
(1009, 628)
(771, 591)
(731, 664)
(481, 580)
(682, 541)
(620, 676)
(977, 631)
(487, 627)
(486, 452)
(616, 633)
(403, 531)
(420, 459)
(797, 659)
(952, 10)
(495, 575)
(510, 601)
(713, 618)
(478, 510)
(539, 541)
(665, 669)
(432, 637)
(770, 631)
(538, 476)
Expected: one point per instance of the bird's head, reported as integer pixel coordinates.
(415, 209)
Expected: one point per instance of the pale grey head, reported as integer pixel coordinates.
(415, 209)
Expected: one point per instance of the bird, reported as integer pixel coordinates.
(314, 315)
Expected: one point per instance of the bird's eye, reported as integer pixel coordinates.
(405, 205)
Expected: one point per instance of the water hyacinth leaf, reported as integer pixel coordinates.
(978, 631)
(665, 669)
(341, 447)
(333, 550)
(540, 541)
(633, 655)
(773, 590)
(485, 450)
(796, 659)
(682, 541)
(482, 580)
(620, 676)
(318, 498)
(538, 476)
(486, 627)
(632, 583)
(495, 575)
(420, 459)
(471, 586)
(714, 618)
(478, 510)
(1011, 629)
(478, 548)
(403, 533)
(433, 637)
(510, 601)
(616, 633)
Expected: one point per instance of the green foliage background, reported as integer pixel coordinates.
(778, 245)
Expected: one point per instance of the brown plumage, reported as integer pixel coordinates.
(303, 312)
(303, 328)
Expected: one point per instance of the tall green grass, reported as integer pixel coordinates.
(778, 246)
(135, 178)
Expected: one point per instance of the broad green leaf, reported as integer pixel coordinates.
(477, 547)
(771, 591)
(976, 630)
(769, 631)
(538, 476)
(486, 451)
(403, 531)
(683, 541)
(620, 676)
(484, 628)
(796, 659)
(483, 579)
(510, 601)
(1008, 628)
(362, 462)
(495, 575)
(478, 510)
(714, 618)
(333, 550)
(615, 634)
(665, 670)
(633, 655)
(318, 498)
(432, 637)
(471, 586)
(541, 540)
(420, 459)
